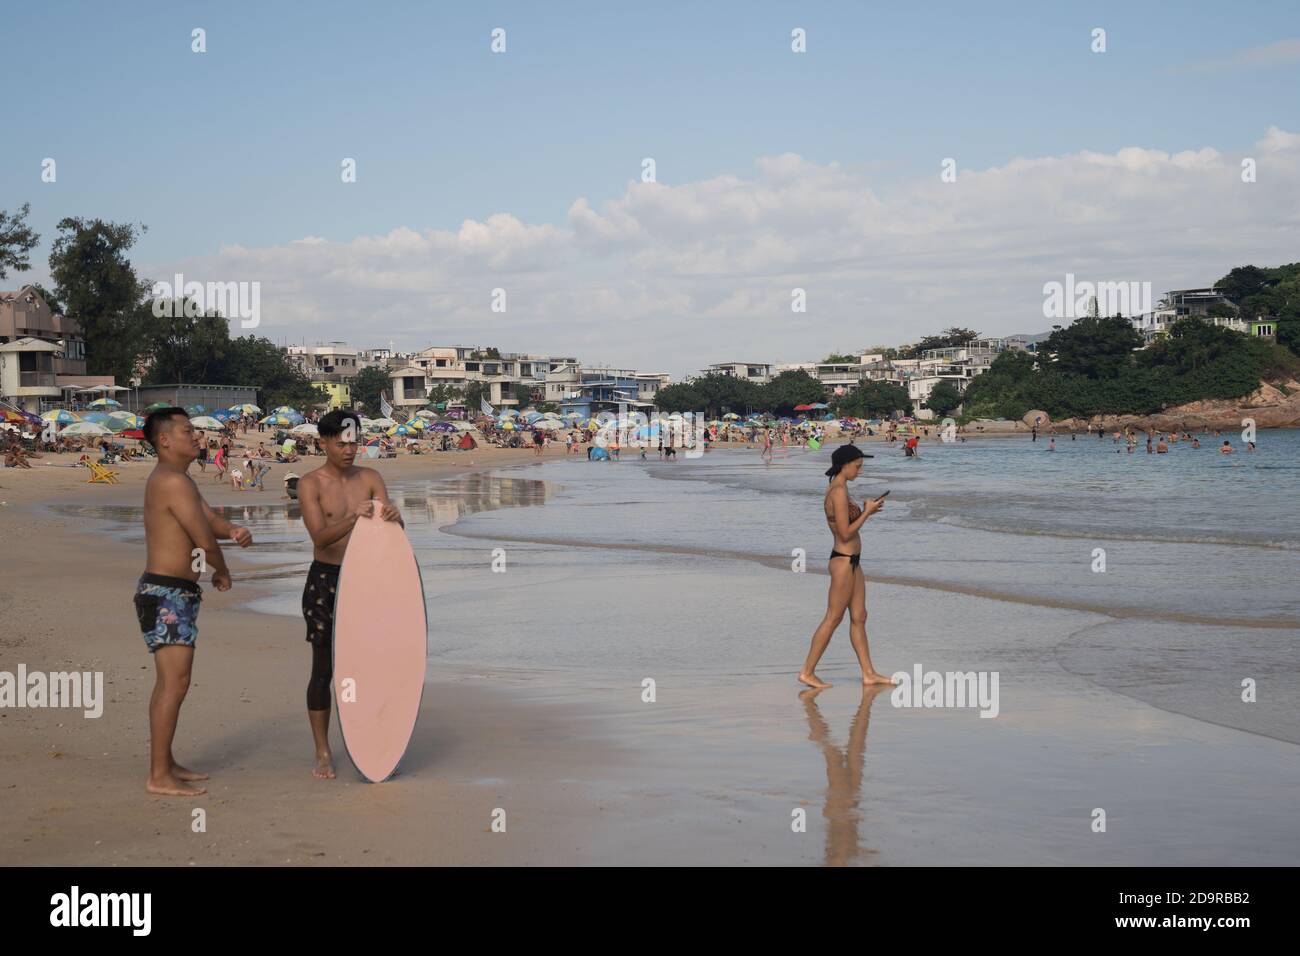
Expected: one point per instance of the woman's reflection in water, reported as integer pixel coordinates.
(843, 775)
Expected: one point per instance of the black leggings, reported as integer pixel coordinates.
(322, 672)
(318, 609)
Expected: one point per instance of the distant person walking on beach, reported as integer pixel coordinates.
(333, 497)
(181, 534)
(848, 587)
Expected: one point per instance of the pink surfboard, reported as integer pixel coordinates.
(379, 646)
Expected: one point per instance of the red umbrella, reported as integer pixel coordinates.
(803, 408)
(132, 433)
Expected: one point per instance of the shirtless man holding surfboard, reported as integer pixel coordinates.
(332, 497)
(181, 534)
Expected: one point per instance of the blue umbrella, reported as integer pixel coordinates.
(96, 417)
(192, 410)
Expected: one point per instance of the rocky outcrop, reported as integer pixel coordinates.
(1275, 405)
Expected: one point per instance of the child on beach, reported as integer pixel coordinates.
(181, 534)
(332, 498)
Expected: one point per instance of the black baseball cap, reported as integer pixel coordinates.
(842, 456)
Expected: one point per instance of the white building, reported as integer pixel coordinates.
(757, 372)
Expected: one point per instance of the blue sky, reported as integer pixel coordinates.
(240, 146)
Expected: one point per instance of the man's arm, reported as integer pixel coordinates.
(377, 488)
(187, 507)
(225, 530)
(323, 532)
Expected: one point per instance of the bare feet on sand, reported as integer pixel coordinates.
(172, 786)
(874, 678)
(324, 769)
(181, 773)
(812, 680)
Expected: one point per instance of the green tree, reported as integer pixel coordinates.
(17, 240)
(367, 385)
(475, 394)
(99, 289)
(442, 393)
(1092, 346)
(791, 388)
(943, 398)
(874, 399)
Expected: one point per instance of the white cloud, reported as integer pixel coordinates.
(675, 277)
(1278, 53)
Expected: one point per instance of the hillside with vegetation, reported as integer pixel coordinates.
(1097, 366)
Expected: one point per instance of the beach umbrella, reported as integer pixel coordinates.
(223, 415)
(552, 415)
(547, 425)
(307, 428)
(207, 423)
(425, 413)
(383, 422)
(97, 417)
(462, 426)
(85, 428)
(283, 410)
(60, 416)
(132, 433)
(398, 430)
(155, 406)
(507, 426)
(731, 416)
(122, 421)
(442, 427)
(804, 408)
(105, 403)
(193, 410)
(248, 408)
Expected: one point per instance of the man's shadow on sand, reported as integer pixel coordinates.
(843, 776)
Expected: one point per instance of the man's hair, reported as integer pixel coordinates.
(155, 422)
(332, 424)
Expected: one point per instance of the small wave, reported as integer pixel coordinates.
(983, 524)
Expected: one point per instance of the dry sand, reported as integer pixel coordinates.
(73, 787)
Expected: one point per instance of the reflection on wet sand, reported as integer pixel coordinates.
(281, 541)
(843, 776)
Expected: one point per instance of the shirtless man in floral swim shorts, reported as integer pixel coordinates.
(181, 534)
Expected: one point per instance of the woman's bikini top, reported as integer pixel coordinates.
(854, 511)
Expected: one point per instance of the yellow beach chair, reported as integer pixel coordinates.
(99, 473)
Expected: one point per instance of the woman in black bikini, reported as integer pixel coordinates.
(848, 589)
